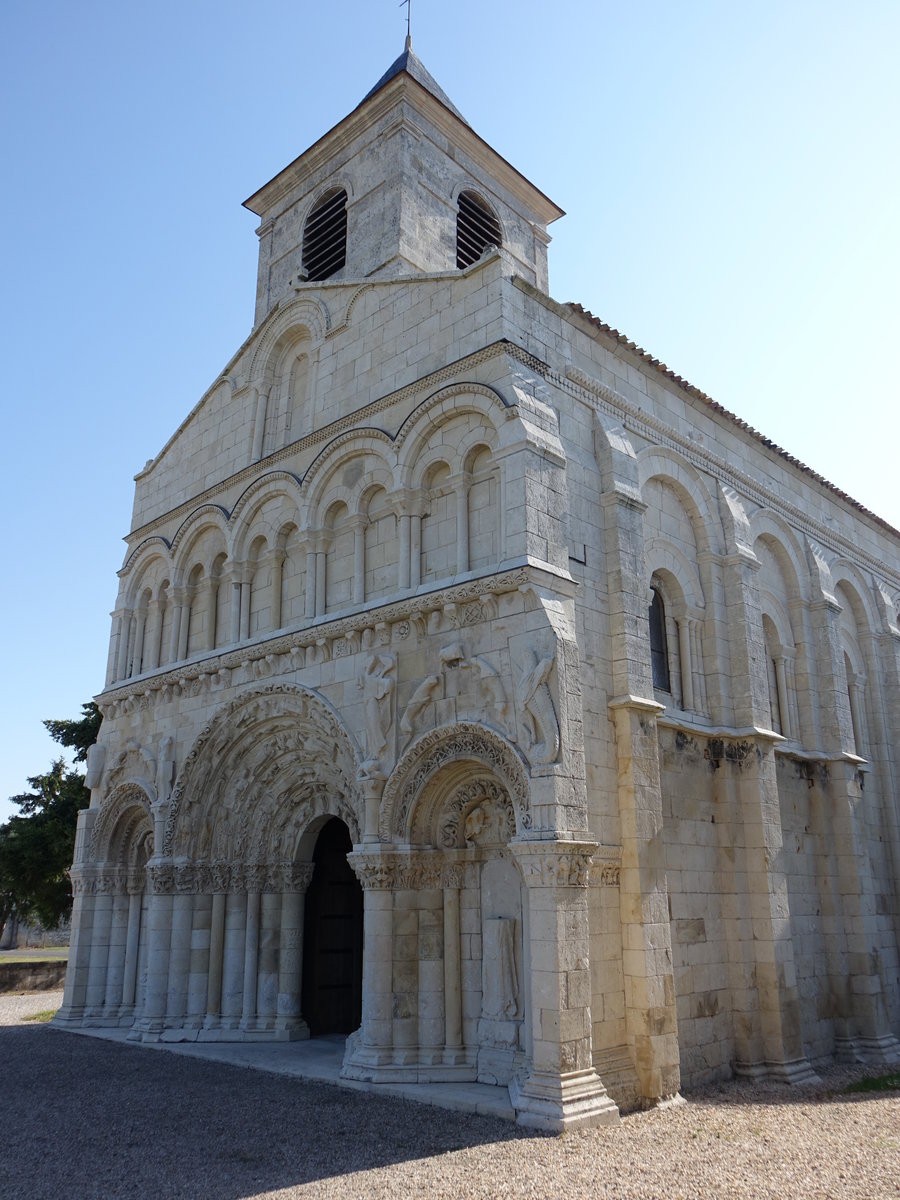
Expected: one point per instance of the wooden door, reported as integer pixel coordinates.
(332, 937)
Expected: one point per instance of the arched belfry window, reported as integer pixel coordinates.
(325, 236)
(659, 648)
(477, 228)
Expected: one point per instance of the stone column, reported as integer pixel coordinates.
(141, 623)
(115, 969)
(178, 619)
(403, 564)
(234, 959)
(415, 550)
(276, 568)
(358, 525)
(685, 662)
(251, 956)
(216, 950)
(296, 879)
(267, 971)
(453, 1039)
(461, 487)
(784, 711)
(123, 618)
(212, 604)
(95, 996)
(428, 897)
(321, 575)
(246, 590)
(372, 1047)
(72, 1010)
(162, 882)
(562, 1090)
(699, 676)
(154, 633)
(132, 945)
(180, 945)
(311, 582)
(236, 590)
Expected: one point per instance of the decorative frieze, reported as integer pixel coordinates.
(291, 652)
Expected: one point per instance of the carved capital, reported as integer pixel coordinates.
(162, 878)
(555, 864)
(373, 871)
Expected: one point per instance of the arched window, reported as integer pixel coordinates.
(325, 236)
(477, 228)
(659, 648)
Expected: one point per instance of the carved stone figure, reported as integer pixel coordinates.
(500, 983)
(96, 760)
(418, 701)
(537, 709)
(378, 683)
(494, 703)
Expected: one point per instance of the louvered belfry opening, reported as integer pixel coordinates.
(476, 228)
(325, 236)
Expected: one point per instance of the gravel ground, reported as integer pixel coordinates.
(86, 1118)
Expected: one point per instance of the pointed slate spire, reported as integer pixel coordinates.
(414, 67)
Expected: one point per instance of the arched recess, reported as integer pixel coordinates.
(785, 547)
(673, 471)
(439, 763)
(457, 400)
(120, 847)
(267, 765)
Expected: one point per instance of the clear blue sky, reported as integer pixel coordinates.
(730, 174)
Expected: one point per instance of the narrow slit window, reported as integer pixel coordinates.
(477, 228)
(659, 648)
(325, 236)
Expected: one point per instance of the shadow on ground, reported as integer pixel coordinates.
(87, 1118)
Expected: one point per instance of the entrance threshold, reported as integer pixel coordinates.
(319, 1059)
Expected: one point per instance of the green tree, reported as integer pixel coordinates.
(36, 847)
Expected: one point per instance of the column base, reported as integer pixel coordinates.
(797, 1072)
(883, 1051)
(70, 1016)
(555, 1103)
(291, 1029)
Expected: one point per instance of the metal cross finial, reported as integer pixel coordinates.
(408, 4)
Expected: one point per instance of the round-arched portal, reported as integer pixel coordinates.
(333, 937)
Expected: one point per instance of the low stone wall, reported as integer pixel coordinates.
(32, 976)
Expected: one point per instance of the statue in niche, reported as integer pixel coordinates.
(377, 683)
(537, 709)
(500, 984)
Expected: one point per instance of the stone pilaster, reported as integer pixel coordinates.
(561, 1089)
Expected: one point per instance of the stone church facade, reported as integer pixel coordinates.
(481, 690)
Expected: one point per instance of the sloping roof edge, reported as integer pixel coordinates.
(697, 394)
